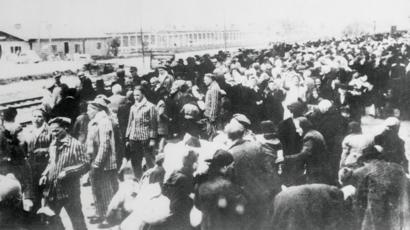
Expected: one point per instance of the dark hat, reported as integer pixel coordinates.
(370, 153)
(9, 114)
(242, 119)
(57, 74)
(297, 108)
(267, 127)
(221, 158)
(121, 66)
(133, 69)
(159, 158)
(81, 74)
(62, 121)
(193, 142)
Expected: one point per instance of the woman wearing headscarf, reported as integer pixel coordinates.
(221, 202)
(311, 206)
(272, 103)
(382, 192)
(313, 153)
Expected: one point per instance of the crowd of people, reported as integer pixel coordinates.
(287, 121)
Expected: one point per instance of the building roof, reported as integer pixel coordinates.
(7, 36)
(53, 33)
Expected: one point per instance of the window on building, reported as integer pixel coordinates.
(125, 41)
(11, 49)
(133, 41)
(98, 45)
(54, 48)
(146, 40)
(152, 39)
(77, 48)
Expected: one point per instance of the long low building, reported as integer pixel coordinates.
(136, 41)
(65, 46)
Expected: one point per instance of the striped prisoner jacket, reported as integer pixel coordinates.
(66, 155)
(142, 122)
(101, 147)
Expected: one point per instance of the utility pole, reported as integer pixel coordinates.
(224, 33)
(142, 46)
(142, 35)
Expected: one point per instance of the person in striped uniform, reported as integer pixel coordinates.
(101, 149)
(212, 104)
(61, 177)
(36, 141)
(141, 132)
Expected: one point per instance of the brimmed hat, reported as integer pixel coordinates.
(133, 69)
(81, 74)
(267, 127)
(57, 74)
(100, 102)
(221, 158)
(242, 119)
(62, 121)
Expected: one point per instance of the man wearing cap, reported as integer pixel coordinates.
(252, 174)
(101, 148)
(212, 104)
(165, 79)
(136, 79)
(56, 89)
(62, 175)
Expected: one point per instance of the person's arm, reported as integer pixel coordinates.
(129, 124)
(153, 132)
(305, 153)
(105, 134)
(214, 103)
(345, 152)
(403, 159)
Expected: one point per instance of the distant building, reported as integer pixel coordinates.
(174, 40)
(69, 45)
(58, 44)
(11, 45)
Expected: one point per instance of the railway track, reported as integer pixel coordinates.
(25, 106)
(22, 103)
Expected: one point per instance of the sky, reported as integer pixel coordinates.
(80, 16)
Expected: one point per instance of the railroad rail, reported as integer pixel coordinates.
(22, 103)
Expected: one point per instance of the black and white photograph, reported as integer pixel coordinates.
(204, 114)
